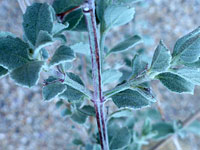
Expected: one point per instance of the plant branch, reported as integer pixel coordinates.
(98, 100)
(187, 122)
(22, 5)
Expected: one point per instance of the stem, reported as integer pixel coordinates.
(22, 5)
(187, 122)
(98, 100)
(176, 143)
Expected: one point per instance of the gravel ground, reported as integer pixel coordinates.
(28, 123)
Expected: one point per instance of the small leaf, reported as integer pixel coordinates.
(45, 53)
(5, 34)
(117, 16)
(121, 113)
(101, 6)
(61, 6)
(66, 112)
(88, 110)
(188, 47)
(28, 74)
(163, 130)
(161, 58)
(190, 74)
(111, 76)
(13, 52)
(43, 39)
(60, 37)
(130, 98)
(62, 54)
(58, 28)
(175, 83)
(52, 90)
(72, 94)
(81, 48)
(3, 72)
(36, 18)
(59, 103)
(120, 139)
(76, 20)
(126, 44)
(194, 128)
(79, 117)
(138, 66)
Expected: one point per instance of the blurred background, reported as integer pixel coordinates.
(28, 123)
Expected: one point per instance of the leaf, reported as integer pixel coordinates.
(175, 83)
(59, 103)
(110, 76)
(28, 74)
(130, 98)
(195, 64)
(163, 130)
(190, 74)
(13, 52)
(101, 5)
(81, 48)
(117, 16)
(43, 39)
(45, 53)
(120, 139)
(72, 94)
(60, 37)
(121, 113)
(138, 66)
(36, 18)
(58, 28)
(3, 71)
(79, 117)
(88, 110)
(66, 112)
(161, 58)
(194, 128)
(76, 21)
(62, 54)
(52, 90)
(188, 47)
(61, 6)
(126, 44)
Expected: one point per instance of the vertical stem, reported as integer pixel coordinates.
(89, 13)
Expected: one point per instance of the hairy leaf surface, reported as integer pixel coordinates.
(52, 90)
(188, 47)
(62, 54)
(13, 52)
(176, 83)
(130, 98)
(28, 74)
(111, 76)
(37, 17)
(161, 58)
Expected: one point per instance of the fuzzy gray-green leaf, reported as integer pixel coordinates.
(13, 52)
(3, 71)
(190, 74)
(62, 54)
(161, 58)
(117, 16)
(188, 47)
(176, 83)
(28, 74)
(37, 17)
(130, 98)
(163, 130)
(138, 66)
(52, 90)
(111, 76)
(44, 38)
(120, 139)
(193, 128)
(126, 44)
